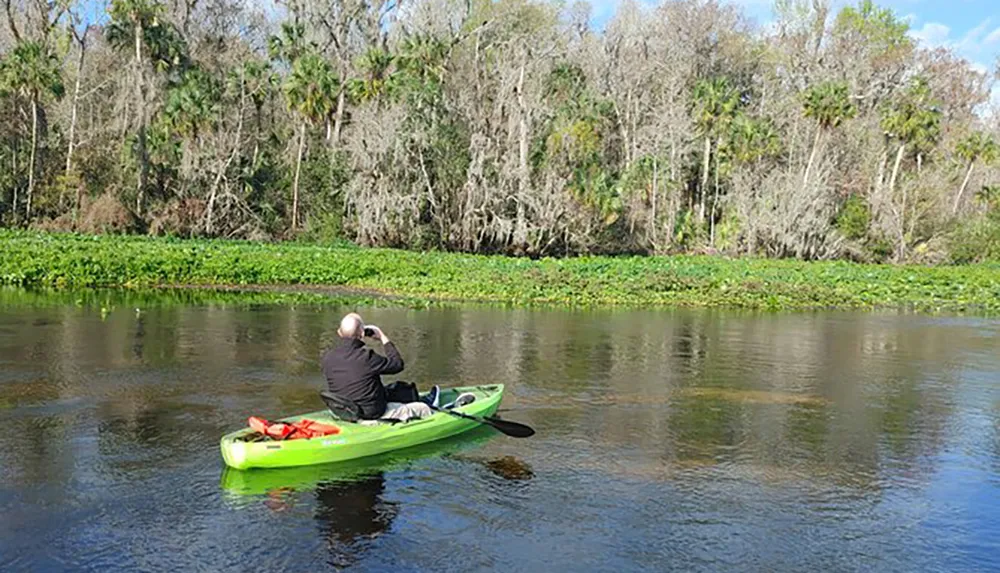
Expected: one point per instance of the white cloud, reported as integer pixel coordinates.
(933, 34)
(975, 45)
(993, 38)
(973, 40)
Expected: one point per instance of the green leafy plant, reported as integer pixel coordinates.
(36, 259)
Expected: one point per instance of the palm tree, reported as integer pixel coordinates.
(715, 105)
(915, 121)
(131, 21)
(290, 44)
(310, 90)
(753, 139)
(976, 147)
(377, 80)
(193, 103)
(422, 58)
(829, 104)
(258, 82)
(32, 71)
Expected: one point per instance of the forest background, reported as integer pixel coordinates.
(509, 126)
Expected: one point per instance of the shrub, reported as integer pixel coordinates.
(107, 215)
(181, 217)
(853, 218)
(976, 241)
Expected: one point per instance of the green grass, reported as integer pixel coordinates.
(75, 261)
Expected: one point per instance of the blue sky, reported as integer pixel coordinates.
(971, 27)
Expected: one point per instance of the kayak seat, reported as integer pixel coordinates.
(342, 408)
(348, 411)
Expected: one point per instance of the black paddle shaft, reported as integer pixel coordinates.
(512, 429)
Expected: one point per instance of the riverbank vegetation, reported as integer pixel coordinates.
(141, 299)
(49, 260)
(510, 126)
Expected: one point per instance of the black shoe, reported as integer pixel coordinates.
(432, 397)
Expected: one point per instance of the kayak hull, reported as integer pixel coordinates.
(354, 440)
(255, 482)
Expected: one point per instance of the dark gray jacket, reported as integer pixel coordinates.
(354, 372)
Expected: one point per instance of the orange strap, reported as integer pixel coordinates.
(303, 429)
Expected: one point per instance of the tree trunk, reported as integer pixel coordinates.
(965, 183)
(34, 151)
(209, 227)
(624, 124)
(521, 225)
(141, 114)
(902, 227)
(13, 30)
(895, 169)
(653, 216)
(880, 178)
(77, 203)
(672, 205)
(256, 139)
(812, 156)
(819, 29)
(715, 196)
(72, 121)
(704, 179)
(298, 169)
(902, 212)
(673, 160)
(124, 119)
(338, 121)
(635, 130)
(13, 169)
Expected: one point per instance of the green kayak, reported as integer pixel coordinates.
(238, 484)
(356, 440)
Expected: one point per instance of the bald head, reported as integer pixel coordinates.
(351, 326)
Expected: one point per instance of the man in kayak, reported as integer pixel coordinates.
(354, 374)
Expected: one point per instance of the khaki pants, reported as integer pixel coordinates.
(404, 412)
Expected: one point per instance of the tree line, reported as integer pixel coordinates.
(507, 126)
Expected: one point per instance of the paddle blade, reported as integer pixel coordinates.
(512, 429)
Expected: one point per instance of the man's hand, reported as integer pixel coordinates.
(379, 334)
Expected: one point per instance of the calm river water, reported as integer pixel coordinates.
(685, 440)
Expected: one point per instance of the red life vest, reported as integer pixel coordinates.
(301, 430)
